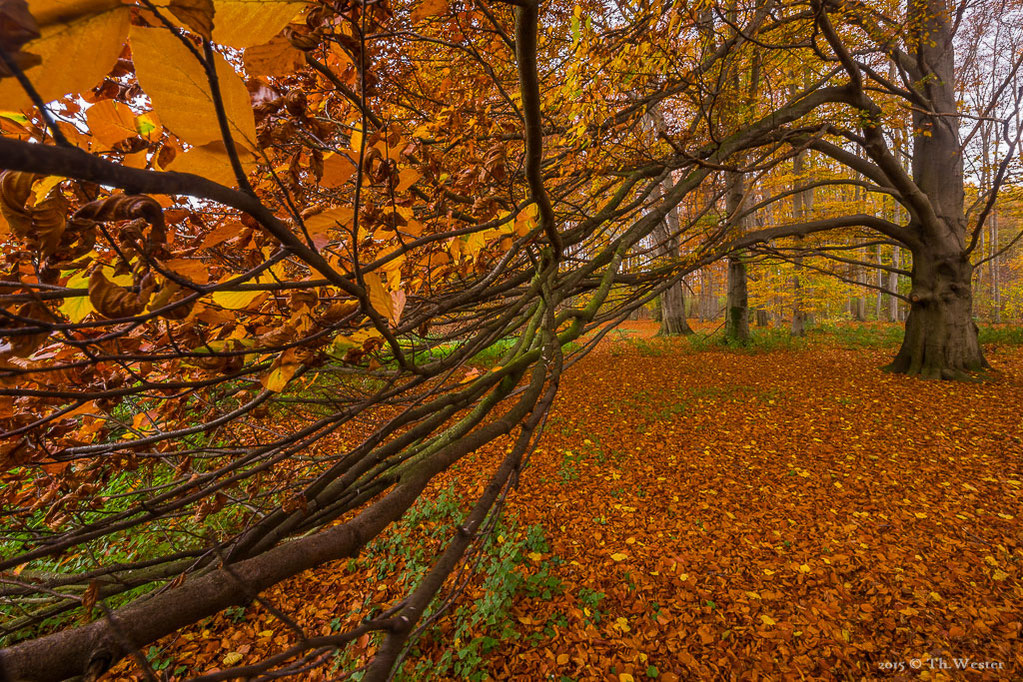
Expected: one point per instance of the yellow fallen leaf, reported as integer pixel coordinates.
(232, 658)
(618, 556)
(767, 620)
(535, 556)
(999, 575)
(920, 515)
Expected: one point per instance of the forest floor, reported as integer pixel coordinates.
(695, 512)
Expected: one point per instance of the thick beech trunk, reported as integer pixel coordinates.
(941, 336)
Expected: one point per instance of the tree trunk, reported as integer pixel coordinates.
(737, 298)
(801, 205)
(737, 307)
(941, 336)
(673, 299)
(673, 311)
(893, 285)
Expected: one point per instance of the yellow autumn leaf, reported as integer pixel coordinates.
(76, 308)
(337, 169)
(618, 556)
(236, 300)
(767, 620)
(212, 162)
(196, 15)
(111, 122)
(281, 372)
(232, 658)
(180, 91)
(429, 8)
(333, 218)
(78, 44)
(406, 178)
(244, 23)
(535, 556)
(803, 568)
(999, 574)
(378, 296)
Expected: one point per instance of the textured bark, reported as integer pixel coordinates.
(673, 311)
(893, 285)
(737, 308)
(801, 205)
(737, 296)
(941, 336)
(666, 234)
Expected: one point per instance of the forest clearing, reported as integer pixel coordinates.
(708, 513)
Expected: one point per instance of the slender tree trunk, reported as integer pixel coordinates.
(993, 274)
(861, 300)
(737, 308)
(666, 235)
(673, 299)
(893, 285)
(737, 301)
(801, 203)
(878, 300)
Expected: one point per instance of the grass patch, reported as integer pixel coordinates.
(509, 565)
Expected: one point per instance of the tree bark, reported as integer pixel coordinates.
(801, 204)
(737, 297)
(893, 285)
(737, 308)
(673, 299)
(673, 311)
(941, 336)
